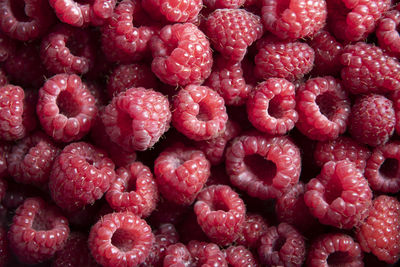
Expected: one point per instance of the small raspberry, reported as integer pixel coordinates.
(372, 119)
(181, 173)
(387, 34)
(3, 78)
(173, 11)
(254, 226)
(215, 4)
(120, 239)
(38, 230)
(239, 256)
(339, 196)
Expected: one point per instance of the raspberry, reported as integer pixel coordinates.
(220, 213)
(283, 59)
(137, 118)
(282, 245)
(255, 164)
(181, 55)
(181, 173)
(367, 69)
(171, 11)
(133, 190)
(120, 239)
(293, 19)
(339, 196)
(215, 4)
(199, 113)
(387, 34)
(4, 152)
(271, 106)
(80, 175)
(372, 119)
(231, 31)
(323, 107)
(334, 249)
(3, 78)
(38, 230)
(7, 47)
(66, 108)
(380, 232)
(239, 256)
(254, 226)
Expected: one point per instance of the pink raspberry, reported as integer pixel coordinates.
(239, 256)
(173, 11)
(215, 4)
(254, 226)
(386, 32)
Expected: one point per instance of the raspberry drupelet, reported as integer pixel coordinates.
(120, 239)
(239, 256)
(173, 11)
(339, 196)
(181, 55)
(271, 106)
(80, 175)
(254, 226)
(38, 230)
(387, 33)
(323, 107)
(265, 167)
(137, 118)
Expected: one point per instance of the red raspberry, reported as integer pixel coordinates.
(293, 19)
(271, 106)
(254, 226)
(3, 78)
(282, 245)
(7, 47)
(199, 113)
(367, 69)
(387, 34)
(181, 173)
(81, 174)
(181, 55)
(133, 190)
(215, 4)
(231, 31)
(220, 213)
(171, 11)
(324, 108)
(137, 118)
(380, 232)
(5, 149)
(255, 164)
(372, 119)
(334, 249)
(339, 196)
(120, 239)
(66, 108)
(38, 230)
(239, 256)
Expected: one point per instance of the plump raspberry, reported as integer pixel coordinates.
(231, 31)
(380, 232)
(137, 118)
(133, 190)
(7, 47)
(367, 69)
(38, 230)
(254, 164)
(3, 78)
(324, 108)
(293, 19)
(171, 11)
(128, 76)
(220, 213)
(181, 55)
(387, 34)
(66, 108)
(372, 119)
(181, 173)
(215, 4)
(239, 256)
(334, 249)
(120, 239)
(5, 148)
(80, 175)
(339, 196)
(254, 226)
(271, 106)
(199, 113)
(283, 59)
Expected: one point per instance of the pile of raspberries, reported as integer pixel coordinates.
(199, 133)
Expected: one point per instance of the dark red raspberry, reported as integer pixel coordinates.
(254, 226)
(181, 173)
(199, 113)
(7, 47)
(16, 194)
(231, 31)
(254, 164)
(66, 108)
(283, 59)
(215, 4)
(218, 175)
(38, 230)
(334, 249)
(181, 55)
(387, 34)
(168, 212)
(380, 232)
(189, 229)
(339, 196)
(81, 174)
(3, 78)
(3, 247)
(220, 213)
(5, 149)
(395, 97)
(133, 190)
(372, 119)
(3, 188)
(324, 108)
(172, 11)
(293, 19)
(271, 106)
(367, 69)
(239, 256)
(137, 118)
